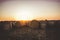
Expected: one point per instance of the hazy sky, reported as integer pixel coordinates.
(30, 9)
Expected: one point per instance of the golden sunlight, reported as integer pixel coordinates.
(24, 14)
(29, 10)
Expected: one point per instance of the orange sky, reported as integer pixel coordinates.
(29, 10)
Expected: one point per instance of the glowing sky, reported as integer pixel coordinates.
(31, 10)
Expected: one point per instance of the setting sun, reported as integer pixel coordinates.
(24, 14)
(29, 10)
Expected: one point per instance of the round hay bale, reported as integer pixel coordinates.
(34, 24)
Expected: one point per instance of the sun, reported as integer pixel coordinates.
(24, 14)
